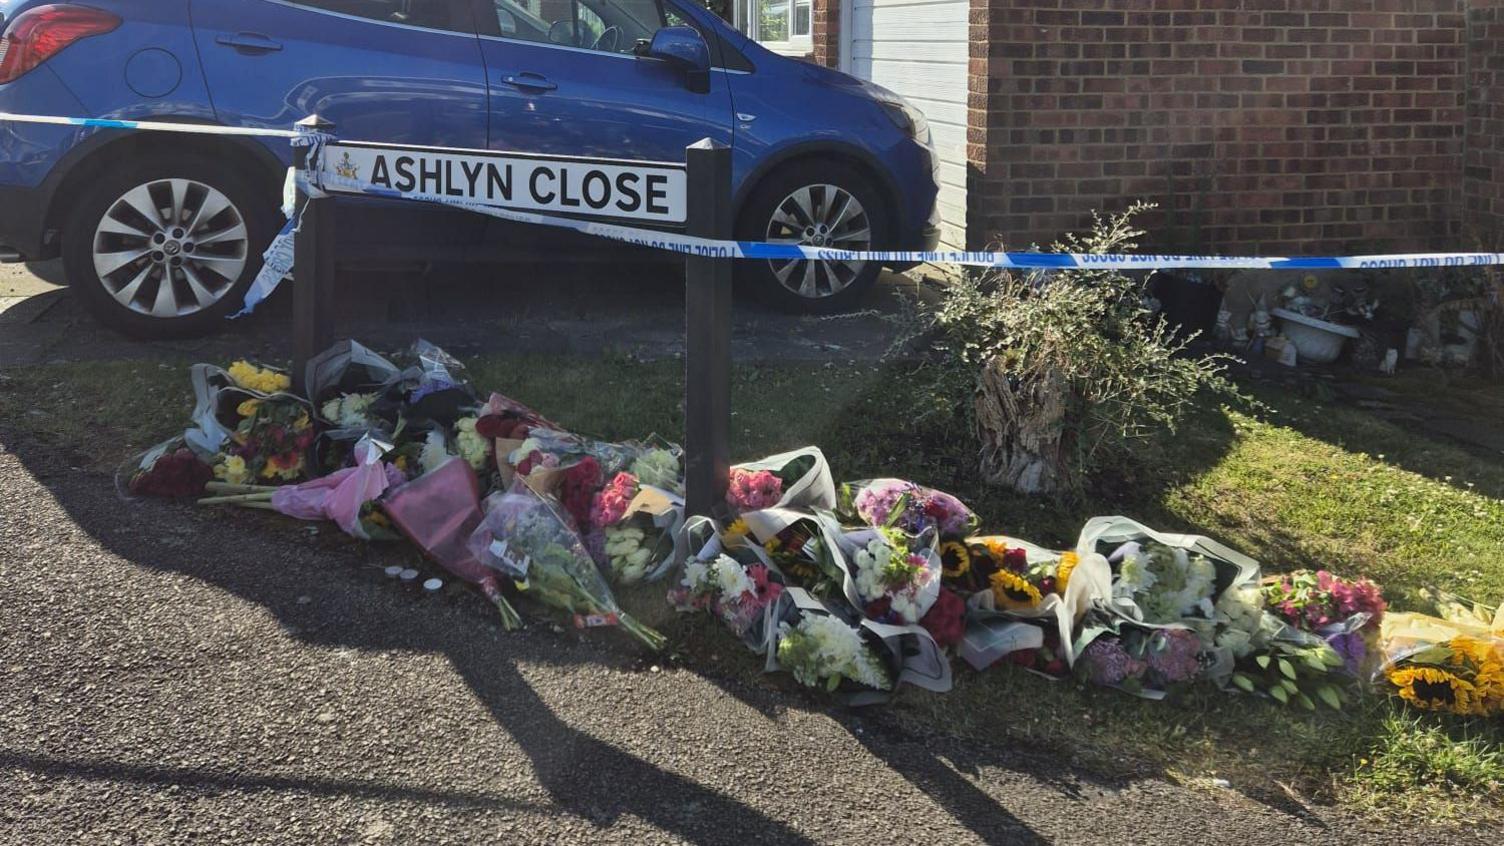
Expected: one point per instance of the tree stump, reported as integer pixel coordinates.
(1021, 422)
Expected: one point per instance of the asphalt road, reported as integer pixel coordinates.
(174, 675)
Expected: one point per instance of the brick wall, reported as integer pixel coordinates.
(1268, 125)
(1483, 182)
(825, 32)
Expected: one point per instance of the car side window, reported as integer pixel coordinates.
(429, 14)
(611, 26)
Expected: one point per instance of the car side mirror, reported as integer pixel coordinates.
(681, 46)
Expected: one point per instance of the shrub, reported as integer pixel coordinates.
(1064, 369)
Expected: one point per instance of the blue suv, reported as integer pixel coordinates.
(161, 233)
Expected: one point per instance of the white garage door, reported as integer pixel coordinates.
(919, 50)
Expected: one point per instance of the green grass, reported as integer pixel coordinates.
(1295, 484)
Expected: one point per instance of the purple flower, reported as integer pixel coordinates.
(1174, 656)
(1107, 663)
(1353, 649)
(923, 508)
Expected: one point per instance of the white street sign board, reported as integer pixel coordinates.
(598, 188)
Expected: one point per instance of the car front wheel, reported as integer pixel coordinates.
(825, 204)
(167, 246)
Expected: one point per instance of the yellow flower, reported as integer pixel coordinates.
(248, 408)
(261, 379)
(1063, 570)
(1011, 590)
(302, 422)
(997, 548)
(1433, 689)
(735, 534)
(232, 470)
(772, 545)
(955, 560)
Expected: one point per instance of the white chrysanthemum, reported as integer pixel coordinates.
(696, 574)
(1238, 641)
(434, 451)
(1134, 576)
(731, 578)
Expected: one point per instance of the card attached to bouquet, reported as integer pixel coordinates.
(595, 621)
(987, 641)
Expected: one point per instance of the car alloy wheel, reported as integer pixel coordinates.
(170, 248)
(823, 216)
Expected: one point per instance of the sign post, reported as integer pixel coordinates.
(707, 313)
(313, 266)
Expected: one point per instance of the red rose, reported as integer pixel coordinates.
(1016, 560)
(946, 619)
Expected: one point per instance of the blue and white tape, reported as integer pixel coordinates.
(151, 126)
(315, 182)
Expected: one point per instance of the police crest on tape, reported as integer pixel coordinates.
(625, 190)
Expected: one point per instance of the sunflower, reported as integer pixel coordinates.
(1063, 570)
(997, 548)
(735, 534)
(1014, 591)
(1433, 689)
(955, 560)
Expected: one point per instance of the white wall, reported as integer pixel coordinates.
(918, 48)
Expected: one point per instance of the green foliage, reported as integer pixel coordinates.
(1128, 377)
(1294, 674)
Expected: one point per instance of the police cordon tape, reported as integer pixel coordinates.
(318, 181)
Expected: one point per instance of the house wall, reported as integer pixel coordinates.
(1483, 180)
(1257, 125)
(1274, 126)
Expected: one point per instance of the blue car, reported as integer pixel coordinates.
(161, 233)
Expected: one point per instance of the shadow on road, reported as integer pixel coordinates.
(584, 776)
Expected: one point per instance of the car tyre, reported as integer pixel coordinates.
(167, 246)
(823, 203)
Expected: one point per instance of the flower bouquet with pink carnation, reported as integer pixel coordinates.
(633, 529)
(1346, 613)
(798, 479)
(733, 586)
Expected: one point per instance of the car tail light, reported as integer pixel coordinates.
(38, 34)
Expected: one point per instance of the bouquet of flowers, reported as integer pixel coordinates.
(434, 386)
(795, 544)
(440, 512)
(895, 575)
(1452, 663)
(345, 382)
(822, 650)
(798, 479)
(904, 505)
(633, 528)
(1145, 660)
(270, 442)
(737, 593)
(170, 469)
(1018, 575)
(525, 537)
(1347, 613)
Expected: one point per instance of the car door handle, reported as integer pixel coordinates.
(250, 42)
(528, 79)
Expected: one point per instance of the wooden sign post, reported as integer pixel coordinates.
(707, 333)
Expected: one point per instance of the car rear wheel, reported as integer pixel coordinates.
(167, 247)
(817, 204)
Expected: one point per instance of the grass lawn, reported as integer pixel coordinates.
(1295, 484)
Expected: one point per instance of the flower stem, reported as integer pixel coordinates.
(236, 499)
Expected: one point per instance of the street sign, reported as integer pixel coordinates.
(696, 193)
(652, 192)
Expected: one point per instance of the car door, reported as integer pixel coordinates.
(399, 71)
(564, 80)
